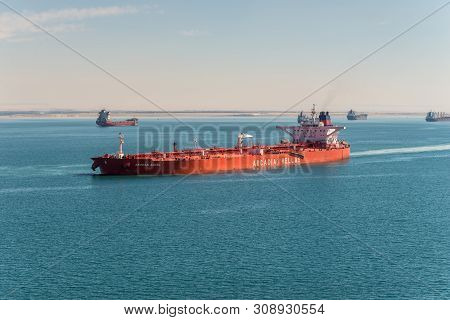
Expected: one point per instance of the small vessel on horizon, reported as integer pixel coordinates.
(353, 115)
(437, 116)
(314, 140)
(104, 120)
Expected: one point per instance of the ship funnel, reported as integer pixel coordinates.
(324, 118)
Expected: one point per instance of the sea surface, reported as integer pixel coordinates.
(374, 227)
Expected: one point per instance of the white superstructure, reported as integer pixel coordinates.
(312, 129)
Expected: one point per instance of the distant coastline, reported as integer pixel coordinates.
(161, 114)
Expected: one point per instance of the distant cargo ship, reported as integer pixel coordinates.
(314, 140)
(437, 116)
(104, 120)
(353, 115)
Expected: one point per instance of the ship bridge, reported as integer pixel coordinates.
(312, 134)
(313, 129)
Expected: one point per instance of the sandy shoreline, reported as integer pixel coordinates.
(177, 114)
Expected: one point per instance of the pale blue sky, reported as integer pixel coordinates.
(246, 55)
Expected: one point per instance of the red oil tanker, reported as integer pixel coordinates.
(314, 140)
(104, 120)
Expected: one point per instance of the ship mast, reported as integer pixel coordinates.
(241, 137)
(196, 146)
(313, 113)
(121, 141)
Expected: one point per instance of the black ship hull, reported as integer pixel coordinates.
(437, 119)
(357, 117)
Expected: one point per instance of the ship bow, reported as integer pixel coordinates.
(96, 163)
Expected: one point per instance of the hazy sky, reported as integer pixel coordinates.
(246, 55)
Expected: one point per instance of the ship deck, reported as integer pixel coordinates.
(217, 152)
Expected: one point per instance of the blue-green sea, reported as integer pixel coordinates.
(374, 227)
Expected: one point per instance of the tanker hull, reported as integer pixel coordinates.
(357, 117)
(210, 165)
(104, 120)
(437, 119)
(313, 141)
(125, 123)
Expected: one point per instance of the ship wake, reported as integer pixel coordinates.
(441, 147)
(42, 189)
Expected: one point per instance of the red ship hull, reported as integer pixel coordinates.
(218, 160)
(125, 123)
